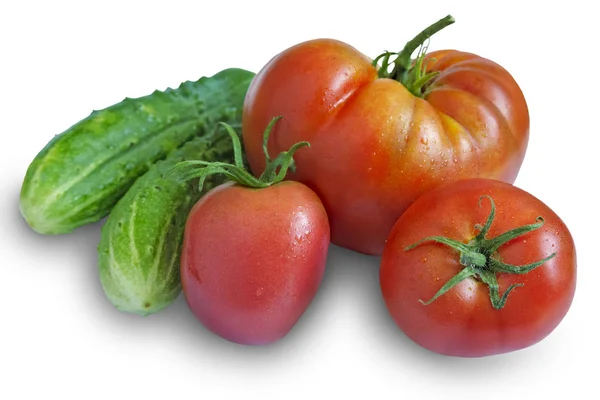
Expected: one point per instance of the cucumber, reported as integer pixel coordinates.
(77, 178)
(141, 240)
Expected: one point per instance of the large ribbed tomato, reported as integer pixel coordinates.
(379, 139)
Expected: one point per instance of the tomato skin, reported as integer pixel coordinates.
(462, 322)
(253, 259)
(375, 147)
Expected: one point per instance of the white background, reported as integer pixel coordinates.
(60, 337)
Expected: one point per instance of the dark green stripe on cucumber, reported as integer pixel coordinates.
(81, 173)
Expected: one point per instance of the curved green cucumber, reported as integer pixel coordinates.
(81, 173)
(141, 240)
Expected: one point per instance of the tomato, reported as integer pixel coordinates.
(378, 139)
(253, 256)
(456, 287)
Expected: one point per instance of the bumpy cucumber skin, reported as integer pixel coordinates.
(81, 173)
(140, 244)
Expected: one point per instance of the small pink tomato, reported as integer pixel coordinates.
(254, 252)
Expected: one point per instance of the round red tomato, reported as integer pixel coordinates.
(253, 259)
(478, 267)
(379, 140)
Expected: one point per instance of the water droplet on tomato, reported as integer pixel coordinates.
(424, 259)
(260, 291)
(424, 140)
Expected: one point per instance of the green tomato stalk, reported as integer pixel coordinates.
(477, 257)
(412, 73)
(275, 170)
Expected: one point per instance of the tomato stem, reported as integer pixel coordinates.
(478, 258)
(404, 61)
(412, 73)
(275, 170)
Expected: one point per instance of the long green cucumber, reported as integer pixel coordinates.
(141, 240)
(81, 173)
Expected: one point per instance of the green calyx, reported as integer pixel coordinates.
(480, 261)
(275, 170)
(412, 73)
